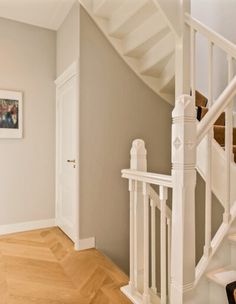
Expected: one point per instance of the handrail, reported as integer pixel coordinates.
(214, 37)
(217, 108)
(147, 177)
(155, 197)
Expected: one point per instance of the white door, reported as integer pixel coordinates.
(67, 160)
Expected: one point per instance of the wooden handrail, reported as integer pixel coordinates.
(211, 35)
(215, 111)
(147, 177)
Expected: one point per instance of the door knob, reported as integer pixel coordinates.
(71, 161)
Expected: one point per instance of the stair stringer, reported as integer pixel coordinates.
(154, 83)
(219, 179)
(205, 291)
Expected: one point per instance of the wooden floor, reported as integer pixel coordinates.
(41, 267)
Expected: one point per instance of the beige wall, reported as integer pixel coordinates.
(116, 107)
(27, 64)
(68, 40)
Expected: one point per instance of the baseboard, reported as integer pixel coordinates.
(26, 226)
(83, 244)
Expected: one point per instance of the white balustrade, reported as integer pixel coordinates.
(205, 128)
(176, 254)
(143, 285)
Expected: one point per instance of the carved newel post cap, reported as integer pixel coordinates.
(138, 155)
(138, 147)
(184, 106)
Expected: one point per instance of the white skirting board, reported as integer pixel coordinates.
(83, 244)
(26, 226)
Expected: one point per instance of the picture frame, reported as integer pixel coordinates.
(11, 114)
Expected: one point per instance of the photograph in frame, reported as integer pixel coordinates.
(10, 114)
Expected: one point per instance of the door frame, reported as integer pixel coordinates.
(70, 72)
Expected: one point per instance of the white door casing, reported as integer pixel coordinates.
(67, 152)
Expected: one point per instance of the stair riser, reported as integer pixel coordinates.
(129, 17)
(145, 36)
(219, 135)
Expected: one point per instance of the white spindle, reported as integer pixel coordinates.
(135, 257)
(210, 73)
(208, 195)
(138, 161)
(228, 144)
(153, 245)
(169, 254)
(131, 260)
(163, 197)
(193, 62)
(146, 295)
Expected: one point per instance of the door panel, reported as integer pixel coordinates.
(66, 157)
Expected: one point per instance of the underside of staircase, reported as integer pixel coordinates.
(140, 33)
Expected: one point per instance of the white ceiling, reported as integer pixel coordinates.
(44, 13)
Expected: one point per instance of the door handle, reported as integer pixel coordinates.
(71, 161)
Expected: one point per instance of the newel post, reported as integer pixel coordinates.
(138, 161)
(183, 208)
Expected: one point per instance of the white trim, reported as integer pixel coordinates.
(26, 226)
(70, 72)
(85, 244)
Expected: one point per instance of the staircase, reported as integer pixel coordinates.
(219, 125)
(141, 34)
(165, 59)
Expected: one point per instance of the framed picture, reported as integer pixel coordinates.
(11, 123)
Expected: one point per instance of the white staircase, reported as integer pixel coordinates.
(141, 33)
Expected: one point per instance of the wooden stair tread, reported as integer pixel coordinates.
(201, 100)
(219, 125)
(202, 112)
(219, 135)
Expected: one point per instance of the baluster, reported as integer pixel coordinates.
(146, 295)
(208, 195)
(153, 245)
(193, 63)
(169, 255)
(135, 234)
(138, 161)
(132, 234)
(163, 197)
(228, 144)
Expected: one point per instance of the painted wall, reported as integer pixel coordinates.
(27, 64)
(68, 40)
(116, 107)
(220, 16)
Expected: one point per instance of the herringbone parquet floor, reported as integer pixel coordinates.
(41, 267)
